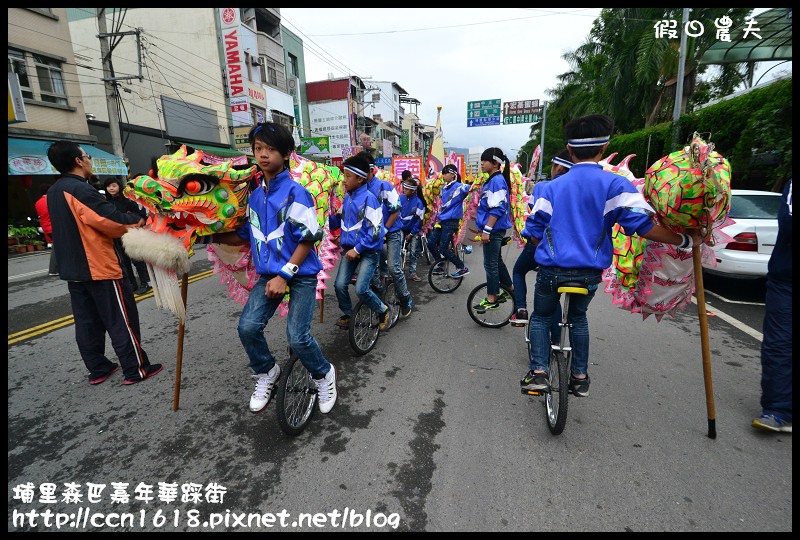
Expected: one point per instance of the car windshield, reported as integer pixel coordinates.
(754, 206)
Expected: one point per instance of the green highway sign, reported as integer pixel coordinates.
(521, 119)
(483, 108)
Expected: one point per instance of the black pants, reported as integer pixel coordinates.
(107, 306)
(128, 264)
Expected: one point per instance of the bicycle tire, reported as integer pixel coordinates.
(443, 283)
(556, 399)
(491, 318)
(362, 331)
(296, 398)
(391, 299)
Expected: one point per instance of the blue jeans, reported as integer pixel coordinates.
(545, 300)
(526, 263)
(414, 251)
(259, 309)
(394, 246)
(496, 271)
(440, 242)
(367, 264)
(776, 351)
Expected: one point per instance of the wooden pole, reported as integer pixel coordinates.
(701, 312)
(181, 328)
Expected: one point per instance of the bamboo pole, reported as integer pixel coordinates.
(701, 312)
(181, 329)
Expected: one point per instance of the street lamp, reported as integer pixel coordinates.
(527, 164)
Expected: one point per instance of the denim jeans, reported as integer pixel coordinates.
(367, 264)
(259, 309)
(439, 242)
(496, 271)
(393, 247)
(545, 300)
(526, 263)
(414, 251)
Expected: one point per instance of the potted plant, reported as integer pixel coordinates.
(25, 237)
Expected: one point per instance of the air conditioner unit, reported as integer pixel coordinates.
(255, 60)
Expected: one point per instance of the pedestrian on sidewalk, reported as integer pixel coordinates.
(46, 227)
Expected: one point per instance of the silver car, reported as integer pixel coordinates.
(755, 214)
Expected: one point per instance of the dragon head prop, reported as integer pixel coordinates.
(187, 199)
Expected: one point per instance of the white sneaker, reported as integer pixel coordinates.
(265, 384)
(326, 387)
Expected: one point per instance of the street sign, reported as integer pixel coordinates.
(478, 122)
(526, 106)
(383, 161)
(483, 108)
(521, 118)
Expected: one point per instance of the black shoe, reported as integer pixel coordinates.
(146, 287)
(150, 371)
(535, 381)
(520, 318)
(343, 322)
(579, 387)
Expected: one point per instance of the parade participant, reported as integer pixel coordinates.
(450, 213)
(493, 219)
(282, 229)
(85, 226)
(571, 226)
(361, 239)
(412, 210)
(114, 188)
(46, 226)
(526, 262)
(776, 346)
(391, 260)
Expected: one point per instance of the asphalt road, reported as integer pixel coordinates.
(430, 432)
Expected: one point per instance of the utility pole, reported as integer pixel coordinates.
(544, 121)
(110, 85)
(676, 111)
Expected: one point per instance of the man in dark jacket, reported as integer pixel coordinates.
(85, 226)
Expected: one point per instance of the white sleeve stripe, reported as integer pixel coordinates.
(392, 196)
(627, 200)
(374, 216)
(277, 233)
(495, 198)
(303, 214)
(542, 205)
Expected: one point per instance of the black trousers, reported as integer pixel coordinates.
(107, 306)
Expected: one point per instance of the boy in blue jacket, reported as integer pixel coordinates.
(361, 239)
(450, 214)
(282, 229)
(412, 210)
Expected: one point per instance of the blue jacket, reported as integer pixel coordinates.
(453, 195)
(779, 267)
(279, 218)
(494, 202)
(575, 215)
(387, 194)
(361, 221)
(411, 213)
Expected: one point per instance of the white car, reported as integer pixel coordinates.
(755, 214)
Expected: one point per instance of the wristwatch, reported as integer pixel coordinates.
(293, 268)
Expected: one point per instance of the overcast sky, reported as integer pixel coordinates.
(448, 57)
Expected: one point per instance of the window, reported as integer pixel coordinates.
(16, 64)
(51, 80)
(47, 84)
(272, 75)
(294, 69)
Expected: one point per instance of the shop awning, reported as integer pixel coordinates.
(217, 154)
(29, 157)
(769, 39)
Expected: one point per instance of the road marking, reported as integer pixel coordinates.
(61, 322)
(735, 322)
(734, 301)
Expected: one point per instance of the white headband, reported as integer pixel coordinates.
(591, 141)
(356, 171)
(409, 186)
(563, 162)
(498, 159)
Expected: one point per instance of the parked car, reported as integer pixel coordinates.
(755, 214)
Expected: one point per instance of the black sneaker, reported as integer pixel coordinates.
(535, 381)
(520, 318)
(343, 322)
(579, 387)
(485, 304)
(150, 371)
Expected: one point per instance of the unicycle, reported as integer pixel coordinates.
(296, 398)
(559, 365)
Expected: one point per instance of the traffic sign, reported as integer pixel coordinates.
(383, 161)
(478, 122)
(483, 108)
(521, 119)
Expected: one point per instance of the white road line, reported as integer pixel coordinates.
(734, 322)
(27, 274)
(727, 301)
